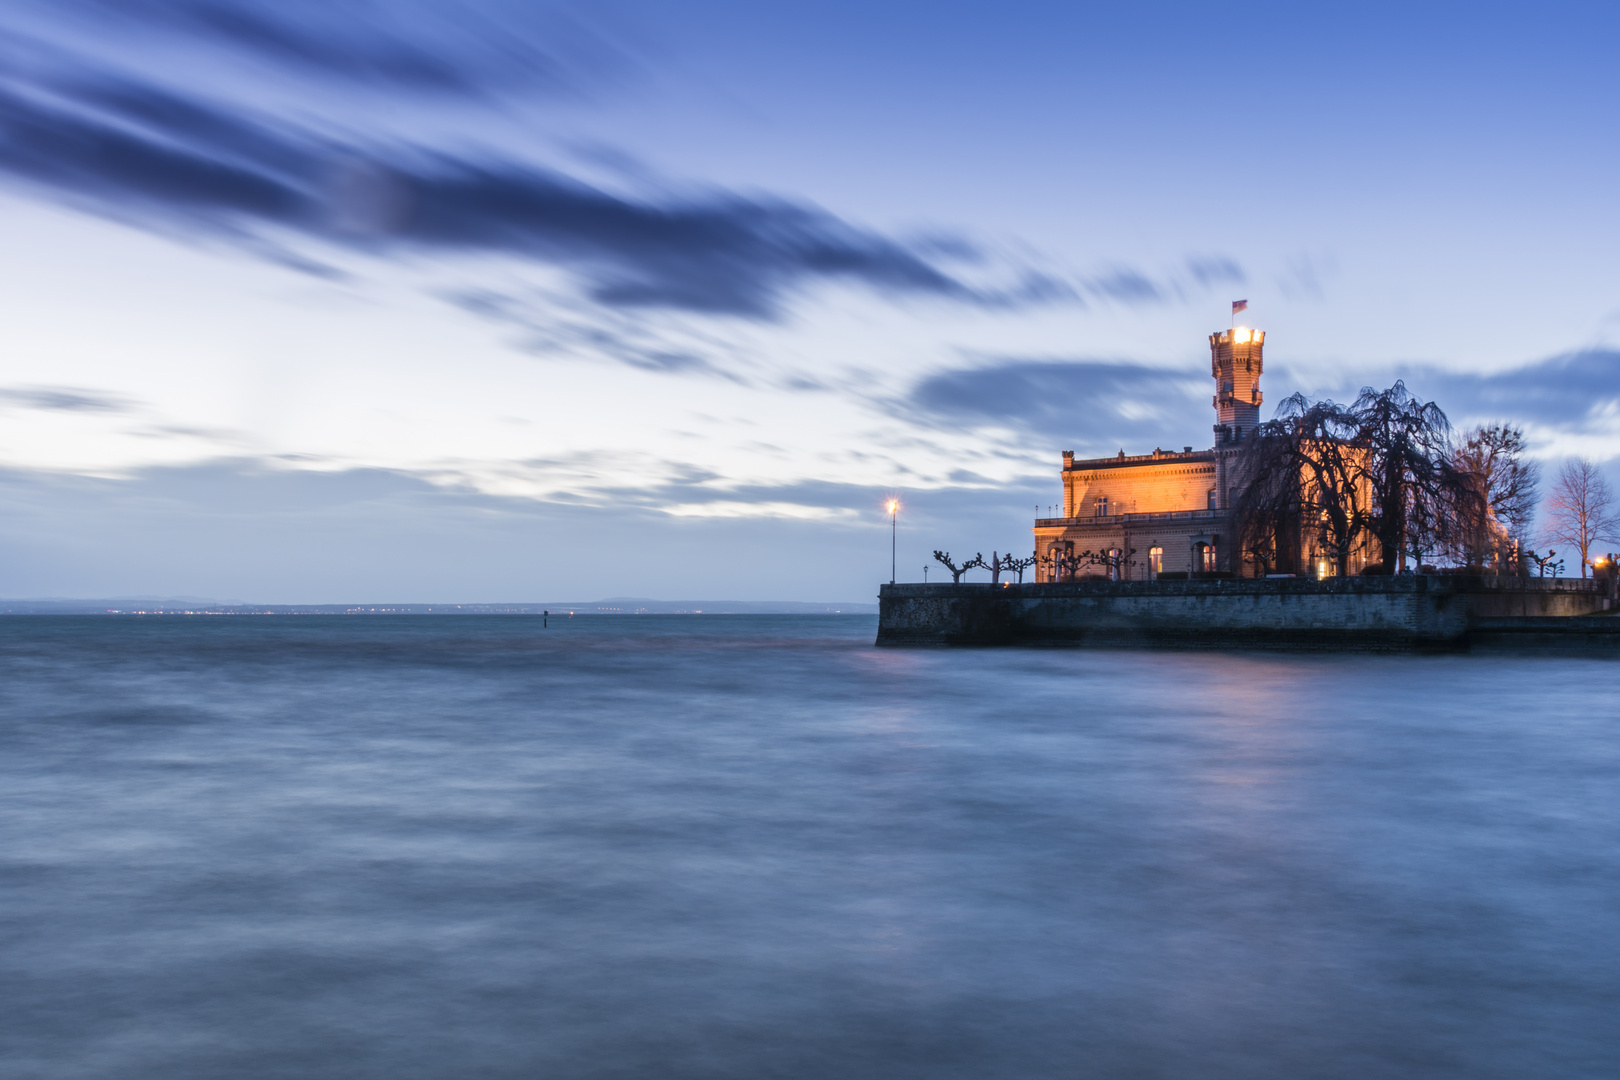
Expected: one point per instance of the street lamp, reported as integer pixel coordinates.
(894, 516)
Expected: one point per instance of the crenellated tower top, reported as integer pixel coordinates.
(1235, 361)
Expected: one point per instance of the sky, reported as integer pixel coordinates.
(320, 302)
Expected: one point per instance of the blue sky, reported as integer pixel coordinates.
(322, 302)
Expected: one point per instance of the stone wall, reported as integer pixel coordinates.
(1365, 613)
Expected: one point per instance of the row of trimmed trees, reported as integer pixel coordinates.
(1060, 564)
(1386, 478)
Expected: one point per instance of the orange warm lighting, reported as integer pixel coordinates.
(1241, 334)
(894, 506)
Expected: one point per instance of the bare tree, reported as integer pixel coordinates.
(956, 571)
(1420, 500)
(1301, 476)
(1508, 483)
(1331, 477)
(1580, 509)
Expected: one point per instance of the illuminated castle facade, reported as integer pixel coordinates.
(1173, 507)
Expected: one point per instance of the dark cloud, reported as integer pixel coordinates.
(1127, 286)
(1216, 271)
(134, 150)
(1561, 391)
(62, 399)
(472, 50)
(1573, 391)
(1089, 405)
(1097, 406)
(542, 330)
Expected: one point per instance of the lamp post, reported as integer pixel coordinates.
(894, 516)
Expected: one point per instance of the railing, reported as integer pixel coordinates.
(1128, 519)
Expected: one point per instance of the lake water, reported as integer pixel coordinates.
(758, 847)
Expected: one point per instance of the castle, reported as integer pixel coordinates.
(1172, 507)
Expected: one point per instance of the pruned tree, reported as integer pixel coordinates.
(980, 562)
(1065, 562)
(1508, 482)
(1017, 566)
(1580, 509)
(1113, 560)
(1545, 562)
(956, 571)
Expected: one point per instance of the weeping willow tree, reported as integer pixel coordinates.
(1299, 482)
(1422, 501)
(1334, 478)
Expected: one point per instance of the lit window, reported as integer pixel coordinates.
(1209, 558)
(1156, 561)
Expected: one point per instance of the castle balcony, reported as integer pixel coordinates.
(1129, 519)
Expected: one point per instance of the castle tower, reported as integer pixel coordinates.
(1235, 362)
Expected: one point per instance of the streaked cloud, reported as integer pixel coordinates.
(63, 399)
(733, 508)
(1088, 404)
(136, 150)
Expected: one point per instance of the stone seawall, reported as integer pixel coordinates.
(1362, 613)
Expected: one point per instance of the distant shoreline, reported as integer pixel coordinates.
(614, 606)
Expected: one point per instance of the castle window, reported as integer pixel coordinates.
(1155, 561)
(1102, 506)
(1208, 558)
(1212, 498)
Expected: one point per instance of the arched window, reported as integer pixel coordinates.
(1212, 498)
(1155, 561)
(1209, 558)
(1102, 506)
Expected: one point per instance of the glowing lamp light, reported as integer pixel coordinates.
(1241, 334)
(894, 506)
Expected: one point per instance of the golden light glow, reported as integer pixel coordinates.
(894, 506)
(1241, 334)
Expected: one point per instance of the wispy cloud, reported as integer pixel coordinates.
(63, 399)
(136, 150)
(472, 49)
(83, 123)
(1090, 404)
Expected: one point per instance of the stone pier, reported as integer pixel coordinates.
(1414, 612)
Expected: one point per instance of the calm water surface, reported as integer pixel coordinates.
(758, 847)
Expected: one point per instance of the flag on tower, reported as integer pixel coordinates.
(1239, 305)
